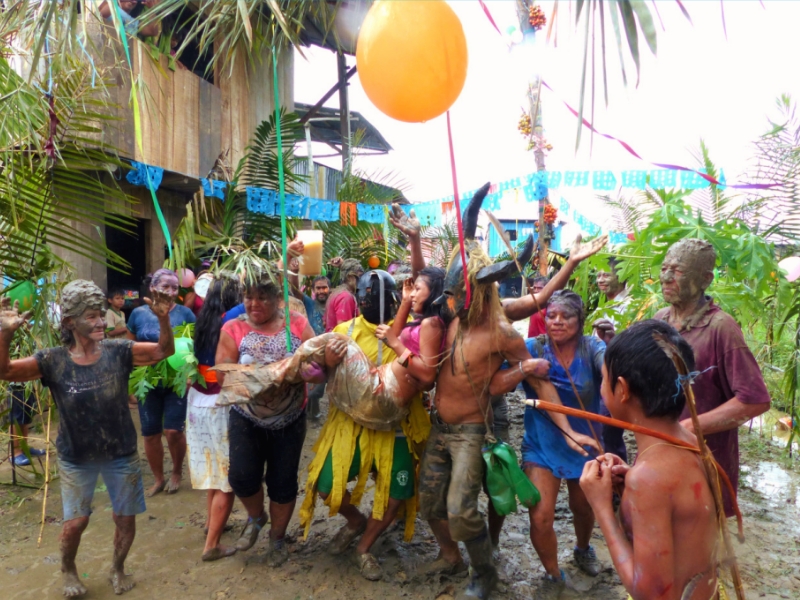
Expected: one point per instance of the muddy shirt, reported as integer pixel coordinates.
(94, 419)
(717, 341)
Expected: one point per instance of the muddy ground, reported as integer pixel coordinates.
(165, 558)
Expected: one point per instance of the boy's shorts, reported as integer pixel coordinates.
(402, 483)
(21, 406)
(122, 477)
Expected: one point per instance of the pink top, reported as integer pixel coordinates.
(260, 348)
(409, 336)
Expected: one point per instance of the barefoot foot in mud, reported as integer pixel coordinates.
(120, 582)
(72, 585)
(174, 484)
(157, 488)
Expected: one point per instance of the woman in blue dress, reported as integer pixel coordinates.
(546, 457)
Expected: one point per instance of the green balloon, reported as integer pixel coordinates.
(183, 348)
(24, 293)
(324, 272)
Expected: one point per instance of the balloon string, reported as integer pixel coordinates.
(282, 191)
(458, 212)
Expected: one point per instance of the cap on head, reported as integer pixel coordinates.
(80, 295)
(350, 266)
(700, 254)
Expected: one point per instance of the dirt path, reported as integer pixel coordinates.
(165, 558)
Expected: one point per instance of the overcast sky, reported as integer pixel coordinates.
(700, 85)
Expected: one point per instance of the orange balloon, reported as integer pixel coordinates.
(412, 58)
(374, 262)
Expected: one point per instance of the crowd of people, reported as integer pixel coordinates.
(443, 352)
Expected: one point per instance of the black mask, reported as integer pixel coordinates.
(368, 293)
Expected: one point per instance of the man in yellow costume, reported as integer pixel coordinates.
(347, 450)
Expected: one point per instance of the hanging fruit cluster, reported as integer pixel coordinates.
(550, 214)
(524, 124)
(536, 17)
(537, 142)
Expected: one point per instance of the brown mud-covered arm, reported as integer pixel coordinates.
(22, 369)
(148, 353)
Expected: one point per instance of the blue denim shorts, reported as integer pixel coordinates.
(122, 477)
(162, 409)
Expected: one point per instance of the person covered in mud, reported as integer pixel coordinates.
(265, 441)
(342, 305)
(88, 378)
(387, 445)
(664, 544)
(206, 423)
(616, 292)
(575, 365)
(480, 339)
(730, 388)
(163, 411)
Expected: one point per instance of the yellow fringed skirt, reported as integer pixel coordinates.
(339, 436)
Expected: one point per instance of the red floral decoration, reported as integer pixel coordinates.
(536, 17)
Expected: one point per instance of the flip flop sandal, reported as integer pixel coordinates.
(250, 532)
(217, 553)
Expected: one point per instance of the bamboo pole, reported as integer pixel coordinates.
(46, 479)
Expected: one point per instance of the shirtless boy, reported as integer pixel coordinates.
(664, 543)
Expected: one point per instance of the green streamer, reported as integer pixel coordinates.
(137, 125)
(282, 191)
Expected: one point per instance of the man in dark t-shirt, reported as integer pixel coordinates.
(88, 378)
(729, 389)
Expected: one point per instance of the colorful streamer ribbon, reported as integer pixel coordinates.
(282, 192)
(348, 213)
(628, 147)
(458, 213)
(137, 123)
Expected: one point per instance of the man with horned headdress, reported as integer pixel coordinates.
(480, 339)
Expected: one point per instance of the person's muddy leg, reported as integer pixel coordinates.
(495, 525)
(123, 539)
(219, 511)
(71, 533)
(355, 519)
(582, 514)
(542, 517)
(375, 528)
(449, 548)
(209, 503)
(176, 441)
(154, 451)
(254, 505)
(280, 515)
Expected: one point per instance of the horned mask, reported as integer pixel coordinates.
(454, 298)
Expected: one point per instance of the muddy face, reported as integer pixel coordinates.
(260, 307)
(609, 283)
(563, 323)
(167, 284)
(321, 291)
(89, 325)
(684, 278)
